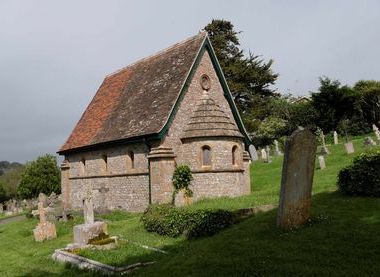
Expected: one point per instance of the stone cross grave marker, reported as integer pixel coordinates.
(297, 179)
(45, 229)
(336, 140)
(88, 209)
(253, 152)
(277, 149)
(322, 163)
(324, 149)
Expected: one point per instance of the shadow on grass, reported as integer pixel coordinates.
(342, 238)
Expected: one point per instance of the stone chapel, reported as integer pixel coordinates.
(171, 108)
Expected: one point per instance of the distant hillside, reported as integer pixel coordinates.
(6, 166)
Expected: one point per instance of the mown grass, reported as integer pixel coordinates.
(342, 238)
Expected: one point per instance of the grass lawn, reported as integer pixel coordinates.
(343, 237)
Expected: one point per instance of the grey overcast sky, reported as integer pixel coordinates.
(55, 54)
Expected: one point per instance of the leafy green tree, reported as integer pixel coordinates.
(11, 179)
(41, 175)
(3, 195)
(247, 75)
(369, 91)
(335, 103)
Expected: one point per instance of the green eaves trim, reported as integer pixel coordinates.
(207, 46)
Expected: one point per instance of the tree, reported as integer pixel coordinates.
(369, 91)
(247, 76)
(3, 195)
(11, 179)
(41, 175)
(335, 103)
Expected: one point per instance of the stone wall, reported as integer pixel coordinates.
(116, 186)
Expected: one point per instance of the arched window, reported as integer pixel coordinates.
(206, 156)
(234, 155)
(83, 166)
(131, 156)
(104, 163)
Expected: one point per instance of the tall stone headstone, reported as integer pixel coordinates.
(336, 140)
(253, 152)
(277, 151)
(297, 179)
(349, 147)
(376, 131)
(45, 230)
(324, 149)
(322, 163)
(264, 155)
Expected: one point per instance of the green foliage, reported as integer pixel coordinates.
(11, 179)
(41, 175)
(182, 178)
(270, 129)
(3, 195)
(247, 75)
(170, 221)
(362, 177)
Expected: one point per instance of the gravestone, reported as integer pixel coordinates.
(1, 208)
(376, 131)
(349, 147)
(45, 230)
(264, 155)
(267, 150)
(103, 190)
(90, 229)
(336, 141)
(277, 151)
(324, 149)
(322, 163)
(297, 179)
(253, 152)
(368, 141)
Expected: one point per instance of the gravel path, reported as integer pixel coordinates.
(11, 219)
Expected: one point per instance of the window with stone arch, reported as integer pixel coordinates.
(206, 155)
(104, 163)
(131, 158)
(235, 153)
(83, 166)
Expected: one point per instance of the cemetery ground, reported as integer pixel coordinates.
(342, 237)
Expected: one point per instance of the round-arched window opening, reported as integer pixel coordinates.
(205, 82)
(206, 156)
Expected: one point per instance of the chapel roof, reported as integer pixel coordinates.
(209, 120)
(138, 101)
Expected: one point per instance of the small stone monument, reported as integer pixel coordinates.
(376, 131)
(264, 155)
(45, 230)
(297, 179)
(349, 147)
(322, 163)
(267, 150)
(91, 228)
(336, 140)
(253, 152)
(324, 149)
(368, 141)
(277, 151)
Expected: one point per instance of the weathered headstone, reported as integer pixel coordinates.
(376, 131)
(103, 190)
(324, 149)
(349, 147)
(277, 151)
(267, 150)
(368, 141)
(322, 163)
(253, 152)
(264, 155)
(45, 230)
(297, 179)
(336, 140)
(90, 229)
(1, 208)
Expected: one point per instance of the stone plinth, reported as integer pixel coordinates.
(45, 231)
(349, 147)
(84, 232)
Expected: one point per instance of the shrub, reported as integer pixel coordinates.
(362, 177)
(171, 221)
(181, 180)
